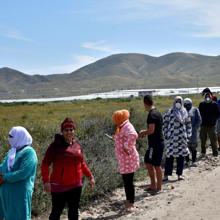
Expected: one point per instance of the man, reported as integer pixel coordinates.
(218, 126)
(196, 120)
(154, 153)
(206, 90)
(209, 112)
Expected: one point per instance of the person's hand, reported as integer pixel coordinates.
(142, 134)
(92, 182)
(47, 187)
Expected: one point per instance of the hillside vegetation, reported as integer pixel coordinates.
(93, 120)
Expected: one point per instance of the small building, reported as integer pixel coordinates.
(145, 92)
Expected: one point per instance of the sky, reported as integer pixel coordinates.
(59, 36)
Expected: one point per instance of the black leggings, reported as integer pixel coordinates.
(169, 165)
(60, 199)
(129, 186)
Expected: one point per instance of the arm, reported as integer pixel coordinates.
(188, 127)
(201, 109)
(130, 137)
(165, 125)
(86, 171)
(45, 165)
(28, 164)
(1, 165)
(150, 130)
(198, 118)
(217, 112)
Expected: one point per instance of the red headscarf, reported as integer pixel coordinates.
(67, 123)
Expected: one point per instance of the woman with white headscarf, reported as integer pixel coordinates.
(17, 175)
(177, 132)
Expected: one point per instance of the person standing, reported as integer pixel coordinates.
(126, 153)
(64, 179)
(218, 125)
(196, 121)
(17, 176)
(154, 153)
(210, 113)
(177, 132)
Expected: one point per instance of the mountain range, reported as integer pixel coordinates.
(119, 71)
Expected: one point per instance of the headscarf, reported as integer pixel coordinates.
(119, 118)
(18, 138)
(67, 123)
(187, 103)
(180, 114)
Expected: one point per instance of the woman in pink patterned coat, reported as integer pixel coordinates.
(126, 153)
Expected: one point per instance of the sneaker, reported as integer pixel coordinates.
(194, 164)
(180, 178)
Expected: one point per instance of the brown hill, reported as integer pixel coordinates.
(119, 71)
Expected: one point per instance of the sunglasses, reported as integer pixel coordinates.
(68, 129)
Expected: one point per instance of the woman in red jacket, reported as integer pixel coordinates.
(65, 158)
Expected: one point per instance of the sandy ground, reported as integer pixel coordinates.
(197, 198)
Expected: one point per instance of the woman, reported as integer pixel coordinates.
(68, 167)
(196, 120)
(126, 153)
(17, 177)
(177, 132)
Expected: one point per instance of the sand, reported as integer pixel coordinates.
(197, 198)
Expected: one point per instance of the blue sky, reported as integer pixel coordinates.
(59, 36)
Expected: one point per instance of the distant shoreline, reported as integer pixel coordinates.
(118, 94)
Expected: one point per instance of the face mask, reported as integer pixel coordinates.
(207, 99)
(178, 105)
(188, 106)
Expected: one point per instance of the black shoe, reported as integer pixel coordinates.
(215, 154)
(165, 179)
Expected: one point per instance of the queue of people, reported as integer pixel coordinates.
(172, 136)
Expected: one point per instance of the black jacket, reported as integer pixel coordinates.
(209, 113)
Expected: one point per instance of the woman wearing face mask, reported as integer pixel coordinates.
(17, 175)
(177, 132)
(62, 170)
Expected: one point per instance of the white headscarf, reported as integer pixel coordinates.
(18, 138)
(180, 114)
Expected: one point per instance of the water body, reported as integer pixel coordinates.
(119, 94)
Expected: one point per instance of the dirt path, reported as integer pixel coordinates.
(195, 198)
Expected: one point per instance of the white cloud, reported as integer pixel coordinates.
(14, 34)
(199, 18)
(100, 46)
(78, 62)
(202, 15)
(208, 21)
